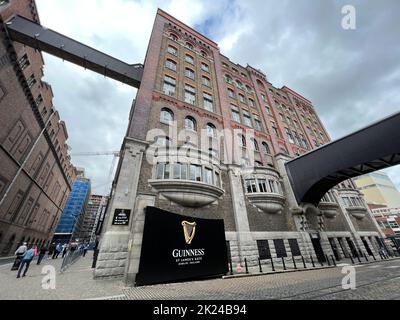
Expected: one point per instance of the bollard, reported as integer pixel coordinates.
(352, 260)
(358, 258)
(245, 264)
(312, 261)
(333, 260)
(283, 262)
(230, 265)
(294, 262)
(365, 256)
(259, 264)
(327, 260)
(304, 262)
(272, 264)
(373, 256)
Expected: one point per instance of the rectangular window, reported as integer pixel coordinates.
(294, 247)
(184, 171)
(39, 100)
(251, 185)
(189, 59)
(263, 249)
(31, 81)
(289, 135)
(246, 119)
(189, 73)
(251, 102)
(231, 93)
(217, 180)
(24, 62)
(257, 123)
(280, 248)
(172, 50)
(170, 65)
(263, 97)
(235, 113)
(268, 110)
(190, 94)
(206, 81)
(262, 185)
(204, 67)
(208, 102)
(241, 98)
(169, 85)
(208, 176)
(274, 129)
(176, 171)
(195, 172)
(167, 171)
(272, 186)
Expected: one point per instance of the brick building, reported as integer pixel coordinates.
(209, 138)
(35, 168)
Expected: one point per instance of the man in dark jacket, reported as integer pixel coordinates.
(42, 253)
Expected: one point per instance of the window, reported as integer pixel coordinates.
(246, 118)
(195, 172)
(208, 102)
(241, 98)
(206, 81)
(208, 174)
(170, 64)
(203, 53)
(251, 185)
(204, 67)
(304, 142)
(262, 185)
(294, 247)
(179, 171)
(225, 65)
(190, 123)
(257, 123)
(39, 100)
(231, 93)
(235, 113)
(274, 129)
(263, 249)
(266, 148)
(263, 97)
(280, 248)
(189, 59)
(190, 94)
(289, 135)
(172, 50)
(249, 89)
(189, 45)
(251, 102)
(211, 130)
(24, 62)
(173, 37)
(242, 141)
(217, 180)
(31, 81)
(239, 84)
(189, 73)
(169, 85)
(254, 144)
(166, 116)
(268, 110)
(228, 78)
(235, 70)
(243, 75)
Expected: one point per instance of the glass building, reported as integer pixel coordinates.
(74, 211)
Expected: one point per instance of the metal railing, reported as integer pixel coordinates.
(70, 258)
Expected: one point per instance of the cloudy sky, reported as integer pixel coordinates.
(351, 76)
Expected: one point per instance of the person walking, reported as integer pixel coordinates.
(56, 252)
(64, 250)
(42, 253)
(85, 249)
(19, 253)
(26, 261)
(52, 248)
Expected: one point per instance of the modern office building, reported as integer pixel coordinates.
(35, 168)
(71, 225)
(209, 138)
(378, 189)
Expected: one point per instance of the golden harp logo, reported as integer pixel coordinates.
(189, 228)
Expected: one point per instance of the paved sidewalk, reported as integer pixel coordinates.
(75, 283)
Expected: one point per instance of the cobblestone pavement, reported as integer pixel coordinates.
(379, 280)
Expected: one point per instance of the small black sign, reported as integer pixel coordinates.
(176, 247)
(121, 217)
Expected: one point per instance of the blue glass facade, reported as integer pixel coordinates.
(74, 207)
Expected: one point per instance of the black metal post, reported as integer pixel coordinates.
(365, 256)
(312, 261)
(333, 260)
(304, 262)
(352, 260)
(358, 258)
(294, 262)
(259, 264)
(283, 262)
(380, 254)
(245, 264)
(373, 256)
(230, 265)
(327, 260)
(272, 264)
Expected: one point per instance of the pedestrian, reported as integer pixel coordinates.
(85, 249)
(64, 250)
(42, 253)
(57, 251)
(52, 248)
(26, 261)
(19, 254)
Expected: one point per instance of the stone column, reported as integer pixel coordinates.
(114, 242)
(293, 207)
(247, 246)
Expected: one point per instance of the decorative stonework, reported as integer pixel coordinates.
(357, 212)
(267, 202)
(329, 209)
(186, 192)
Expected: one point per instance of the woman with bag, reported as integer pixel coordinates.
(19, 254)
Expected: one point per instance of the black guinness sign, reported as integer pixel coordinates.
(176, 247)
(121, 217)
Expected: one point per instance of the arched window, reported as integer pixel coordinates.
(228, 78)
(211, 130)
(203, 53)
(190, 123)
(255, 144)
(189, 73)
(239, 84)
(258, 163)
(266, 148)
(170, 64)
(242, 141)
(259, 83)
(166, 116)
(173, 37)
(189, 45)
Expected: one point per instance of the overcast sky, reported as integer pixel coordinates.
(351, 76)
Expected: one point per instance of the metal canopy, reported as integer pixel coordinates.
(34, 35)
(369, 149)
